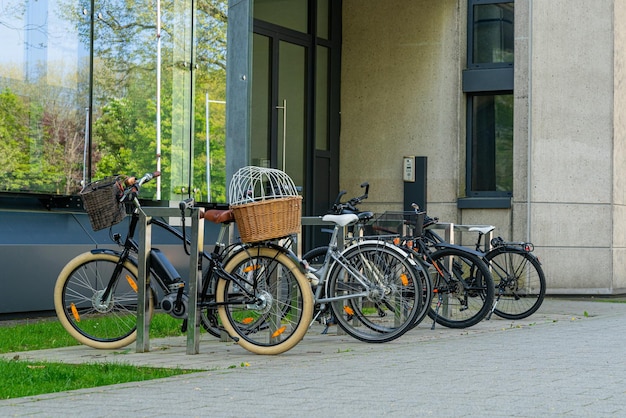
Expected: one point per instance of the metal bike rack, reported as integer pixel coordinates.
(450, 228)
(195, 276)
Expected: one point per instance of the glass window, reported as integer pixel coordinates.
(492, 143)
(321, 98)
(323, 19)
(77, 105)
(292, 14)
(43, 99)
(492, 27)
(490, 110)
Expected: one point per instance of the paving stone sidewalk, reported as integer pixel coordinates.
(566, 360)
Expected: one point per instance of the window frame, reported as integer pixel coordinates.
(479, 80)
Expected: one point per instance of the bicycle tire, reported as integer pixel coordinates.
(316, 256)
(391, 304)
(108, 325)
(283, 311)
(209, 317)
(466, 299)
(520, 282)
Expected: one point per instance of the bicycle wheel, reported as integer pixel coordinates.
(209, 317)
(270, 307)
(424, 282)
(519, 281)
(108, 324)
(463, 288)
(379, 292)
(316, 256)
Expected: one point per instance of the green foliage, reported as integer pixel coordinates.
(14, 140)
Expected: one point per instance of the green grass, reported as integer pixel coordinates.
(21, 378)
(25, 378)
(48, 333)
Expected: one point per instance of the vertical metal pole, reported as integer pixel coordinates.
(208, 148)
(195, 281)
(85, 148)
(143, 292)
(284, 108)
(158, 102)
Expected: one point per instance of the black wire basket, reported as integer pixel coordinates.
(407, 224)
(101, 200)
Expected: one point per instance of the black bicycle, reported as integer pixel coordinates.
(260, 293)
(520, 283)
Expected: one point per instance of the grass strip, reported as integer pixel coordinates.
(23, 378)
(42, 334)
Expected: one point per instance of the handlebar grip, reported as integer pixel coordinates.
(338, 199)
(149, 176)
(187, 203)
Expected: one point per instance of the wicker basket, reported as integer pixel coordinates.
(265, 203)
(269, 219)
(101, 201)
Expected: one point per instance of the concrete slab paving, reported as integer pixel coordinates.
(567, 359)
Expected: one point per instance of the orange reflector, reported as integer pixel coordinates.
(348, 310)
(279, 331)
(250, 268)
(396, 241)
(132, 283)
(435, 290)
(405, 280)
(75, 312)
(247, 320)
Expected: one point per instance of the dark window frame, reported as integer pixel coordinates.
(478, 80)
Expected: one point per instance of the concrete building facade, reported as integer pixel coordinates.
(406, 85)
(402, 94)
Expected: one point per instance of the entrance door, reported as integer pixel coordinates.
(279, 105)
(295, 98)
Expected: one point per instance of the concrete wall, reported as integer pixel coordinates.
(401, 95)
(619, 148)
(571, 113)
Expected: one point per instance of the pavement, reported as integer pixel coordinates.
(565, 360)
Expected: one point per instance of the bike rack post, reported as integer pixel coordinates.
(195, 276)
(195, 281)
(143, 321)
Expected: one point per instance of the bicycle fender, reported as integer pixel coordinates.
(514, 249)
(386, 244)
(479, 254)
(113, 253)
(288, 252)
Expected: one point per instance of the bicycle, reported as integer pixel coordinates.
(260, 291)
(519, 278)
(371, 289)
(458, 278)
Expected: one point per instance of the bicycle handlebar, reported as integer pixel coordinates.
(186, 204)
(133, 185)
(350, 205)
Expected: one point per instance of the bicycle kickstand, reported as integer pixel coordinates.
(439, 303)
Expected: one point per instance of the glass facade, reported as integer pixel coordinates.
(90, 89)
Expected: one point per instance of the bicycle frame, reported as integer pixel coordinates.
(165, 280)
